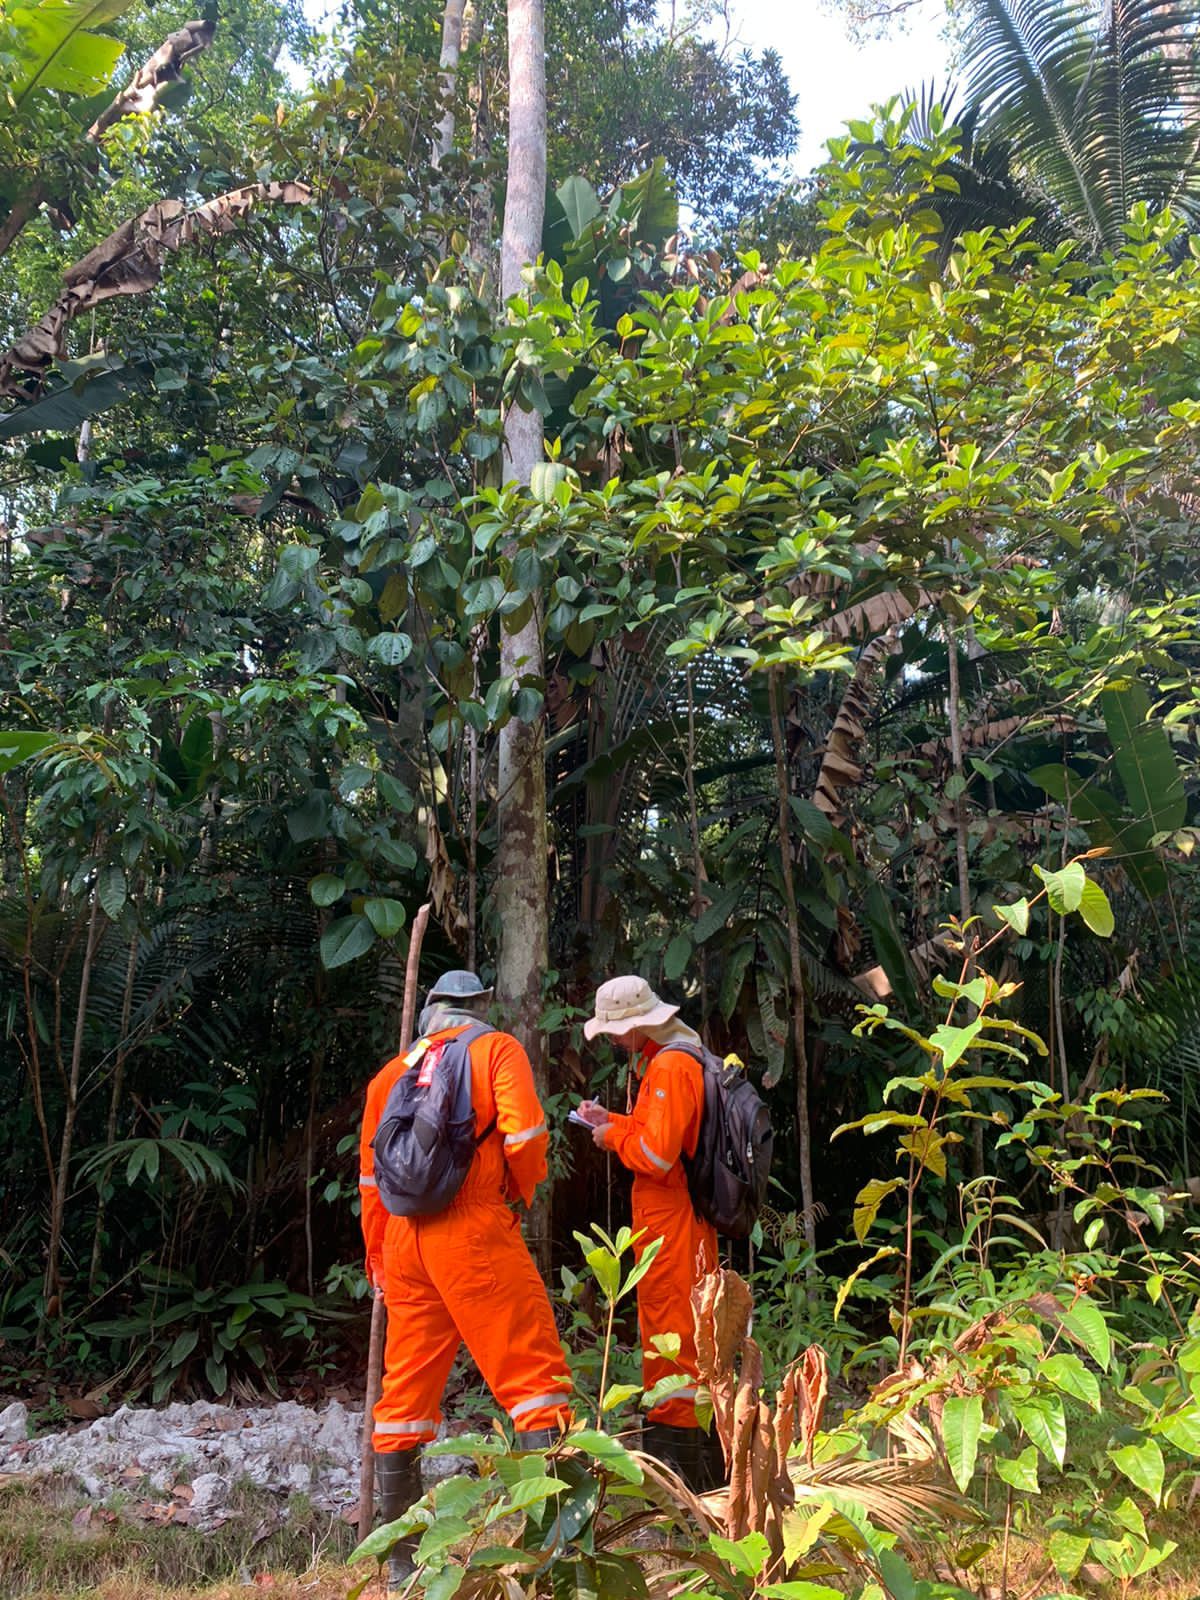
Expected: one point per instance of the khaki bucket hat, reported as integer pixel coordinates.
(623, 1004)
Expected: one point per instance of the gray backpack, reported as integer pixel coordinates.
(426, 1141)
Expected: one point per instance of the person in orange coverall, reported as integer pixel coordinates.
(663, 1126)
(464, 1274)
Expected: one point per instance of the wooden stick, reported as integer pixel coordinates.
(409, 1010)
(366, 1473)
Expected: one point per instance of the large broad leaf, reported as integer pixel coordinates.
(962, 1423)
(1143, 1465)
(56, 48)
(345, 940)
(579, 204)
(1145, 761)
(649, 204)
(19, 746)
(891, 948)
(104, 384)
(1044, 1423)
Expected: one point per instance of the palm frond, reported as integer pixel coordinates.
(1098, 110)
(901, 1495)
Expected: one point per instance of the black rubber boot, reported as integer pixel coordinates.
(537, 1439)
(398, 1487)
(687, 1451)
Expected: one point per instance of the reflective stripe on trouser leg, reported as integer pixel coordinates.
(688, 1252)
(539, 1402)
(475, 1255)
(422, 1341)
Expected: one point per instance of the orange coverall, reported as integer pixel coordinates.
(466, 1275)
(664, 1124)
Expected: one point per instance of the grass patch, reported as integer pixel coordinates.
(55, 1545)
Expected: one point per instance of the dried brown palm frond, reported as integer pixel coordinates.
(839, 768)
(901, 1496)
(130, 262)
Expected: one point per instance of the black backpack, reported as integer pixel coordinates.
(727, 1177)
(426, 1140)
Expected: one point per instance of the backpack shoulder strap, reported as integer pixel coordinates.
(698, 1052)
(473, 1031)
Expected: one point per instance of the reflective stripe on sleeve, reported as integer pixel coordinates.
(663, 1166)
(366, 1181)
(513, 1139)
(427, 1425)
(536, 1401)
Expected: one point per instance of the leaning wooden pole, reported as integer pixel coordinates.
(366, 1472)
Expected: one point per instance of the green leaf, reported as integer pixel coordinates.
(747, 1555)
(953, 1042)
(1086, 1325)
(104, 382)
(18, 747)
(1016, 915)
(962, 1423)
(443, 1585)
(1143, 1465)
(1068, 1373)
(1095, 909)
(1182, 1429)
(579, 204)
(183, 1346)
(1045, 1425)
(385, 916)
(55, 49)
(800, 1589)
(345, 940)
(611, 1453)
(440, 1537)
(380, 1540)
(389, 649)
(1064, 889)
(310, 819)
(325, 889)
(868, 1201)
(717, 915)
(1021, 1472)
(1145, 761)
(618, 1393)
(1066, 1551)
(111, 889)
(678, 954)
(814, 824)
(532, 1491)
(545, 479)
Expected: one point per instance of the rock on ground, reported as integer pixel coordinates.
(285, 1448)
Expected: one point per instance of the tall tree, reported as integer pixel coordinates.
(521, 883)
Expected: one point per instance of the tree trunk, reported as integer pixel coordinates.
(522, 882)
(799, 1045)
(452, 31)
(62, 1182)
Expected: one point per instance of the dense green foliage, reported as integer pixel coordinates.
(866, 579)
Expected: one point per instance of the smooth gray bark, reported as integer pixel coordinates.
(522, 890)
